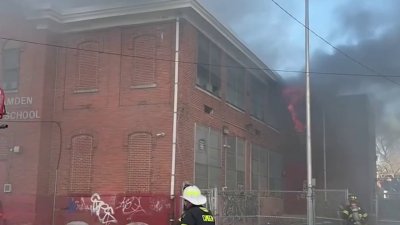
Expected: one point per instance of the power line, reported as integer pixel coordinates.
(334, 47)
(338, 74)
(206, 64)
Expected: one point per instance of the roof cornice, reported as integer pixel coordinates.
(120, 14)
(104, 11)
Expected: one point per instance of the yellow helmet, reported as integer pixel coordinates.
(193, 195)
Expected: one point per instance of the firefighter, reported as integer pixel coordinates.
(194, 211)
(352, 212)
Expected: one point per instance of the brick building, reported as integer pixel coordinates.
(112, 106)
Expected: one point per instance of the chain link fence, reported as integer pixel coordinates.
(387, 209)
(273, 207)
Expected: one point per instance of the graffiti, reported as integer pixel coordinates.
(159, 205)
(81, 205)
(116, 209)
(102, 210)
(130, 206)
(77, 205)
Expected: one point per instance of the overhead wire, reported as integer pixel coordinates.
(336, 48)
(198, 63)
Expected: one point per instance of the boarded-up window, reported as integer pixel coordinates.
(10, 65)
(88, 67)
(144, 61)
(4, 148)
(81, 164)
(139, 162)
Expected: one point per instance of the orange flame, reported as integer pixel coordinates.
(294, 97)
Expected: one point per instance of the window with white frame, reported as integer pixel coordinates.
(207, 157)
(259, 168)
(235, 163)
(208, 66)
(235, 83)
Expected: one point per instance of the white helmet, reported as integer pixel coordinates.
(193, 195)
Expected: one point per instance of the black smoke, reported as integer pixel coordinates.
(373, 49)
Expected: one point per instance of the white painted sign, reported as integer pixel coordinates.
(19, 101)
(14, 114)
(22, 115)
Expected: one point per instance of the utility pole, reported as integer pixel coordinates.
(310, 191)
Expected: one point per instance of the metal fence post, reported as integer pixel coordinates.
(376, 208)
(216, 201)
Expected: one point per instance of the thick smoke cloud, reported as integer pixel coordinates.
(367, 30)
(372, 35)
(265, 29)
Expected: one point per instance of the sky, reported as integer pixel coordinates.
(279, 40)
(367, 31)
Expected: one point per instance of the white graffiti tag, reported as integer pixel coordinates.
(81, 205)
(130, 206)
(159, 205)
(103, 211)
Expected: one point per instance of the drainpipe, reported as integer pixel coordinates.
(175, 117)
(53, 214)
(324, 150)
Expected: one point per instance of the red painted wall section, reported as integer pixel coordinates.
(295, 175)
(114, 209)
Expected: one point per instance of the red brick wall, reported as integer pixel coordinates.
(191, 110)
(117, 110)
(115, 106)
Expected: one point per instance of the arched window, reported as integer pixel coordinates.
(88, 67)
(81, 164)
(10, 65)
(139, 162)
(144, 61)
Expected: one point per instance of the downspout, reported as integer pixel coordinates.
(53, 213)
(175, 116)
(324, 150)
